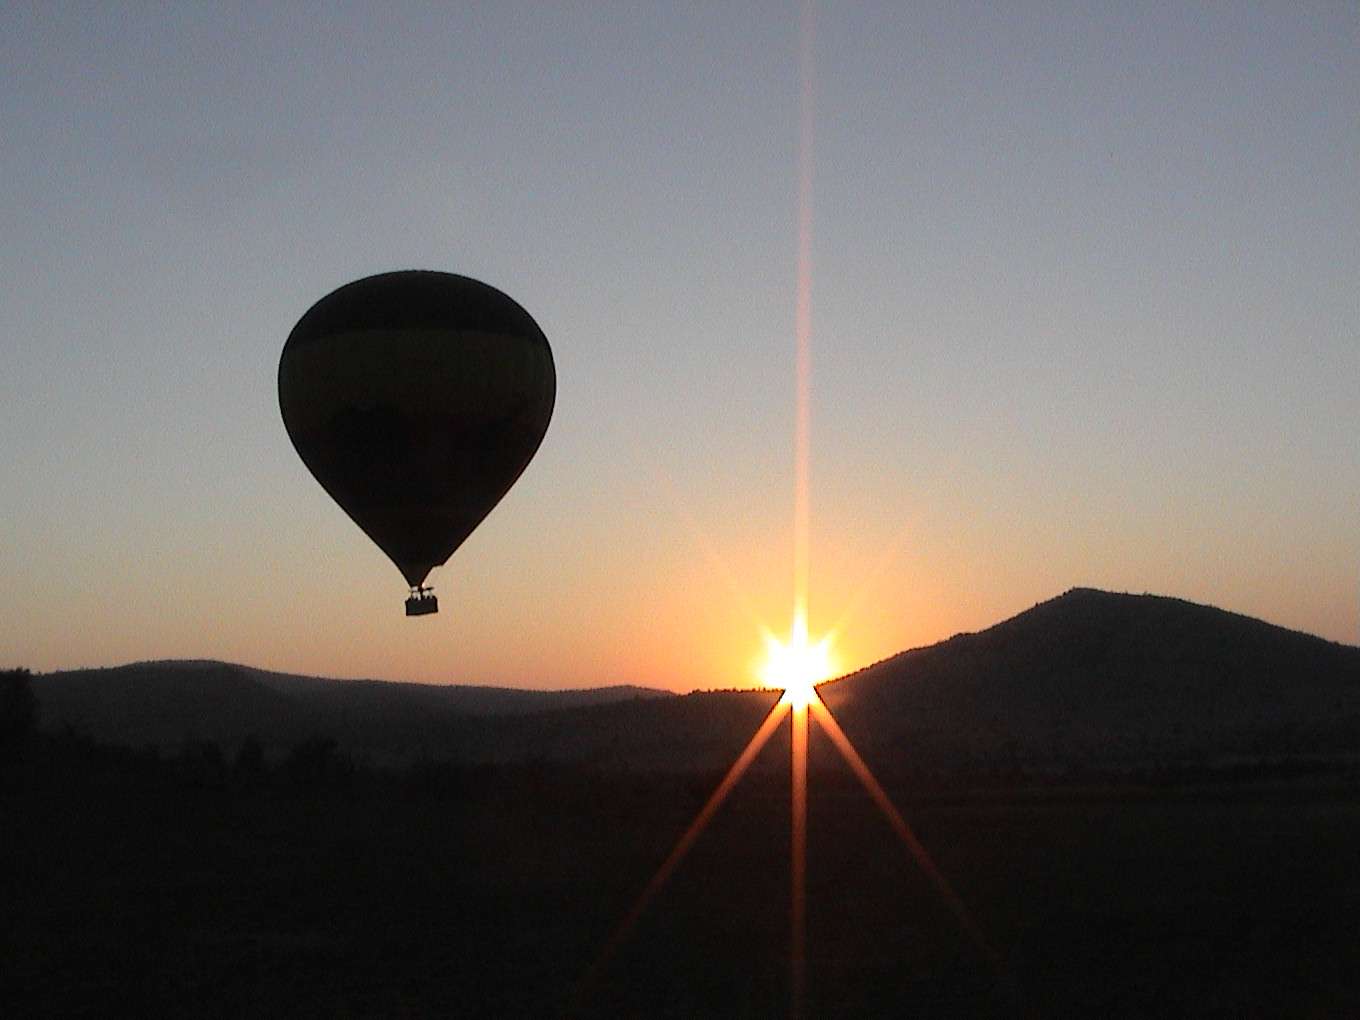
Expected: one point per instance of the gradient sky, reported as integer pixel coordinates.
(1085, 309)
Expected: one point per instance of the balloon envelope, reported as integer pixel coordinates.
(416, 399)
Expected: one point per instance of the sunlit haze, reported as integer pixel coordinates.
(1084, 312)
(797, 665)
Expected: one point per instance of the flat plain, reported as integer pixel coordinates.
(491, 891)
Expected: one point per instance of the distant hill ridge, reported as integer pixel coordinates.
(471, 694)
(1093, 675)
(165, 701)
(1071, 624)
(1089, 679)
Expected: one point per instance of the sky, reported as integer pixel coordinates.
(1085, 311)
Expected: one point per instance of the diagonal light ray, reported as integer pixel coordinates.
(892, 551)
(904, 833)
(683, 845)
(726, 574)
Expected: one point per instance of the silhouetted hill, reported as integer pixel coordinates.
(166, 702)
(460, 698)
(1119, 680)
(1088, 681)
(162, 702)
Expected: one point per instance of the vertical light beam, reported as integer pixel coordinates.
(803, 315)
(801, 512)
(798, 861)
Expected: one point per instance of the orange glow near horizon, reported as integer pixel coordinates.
(797, 665)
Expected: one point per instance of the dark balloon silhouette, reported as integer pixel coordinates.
(416, 399)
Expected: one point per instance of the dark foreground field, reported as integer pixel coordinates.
(125, 887)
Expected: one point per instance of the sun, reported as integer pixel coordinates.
(797, 665)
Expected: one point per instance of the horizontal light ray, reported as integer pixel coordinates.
(682, 847)
(904, 833)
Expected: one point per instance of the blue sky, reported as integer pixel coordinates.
(1085, 311)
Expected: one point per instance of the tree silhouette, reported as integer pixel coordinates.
(316, 763)
(201, 764)
(249, 767)
(18, 706)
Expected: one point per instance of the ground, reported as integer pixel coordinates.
(491, 894)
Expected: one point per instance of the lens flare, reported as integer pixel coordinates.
(797, 665)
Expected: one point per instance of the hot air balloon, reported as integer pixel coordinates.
(416, 399)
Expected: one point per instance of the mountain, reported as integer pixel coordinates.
(168, 701)
(1087, 681)
(1125, 681)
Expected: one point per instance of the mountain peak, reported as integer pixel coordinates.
(1100, 674)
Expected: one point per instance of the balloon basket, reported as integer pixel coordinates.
(422, 602)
